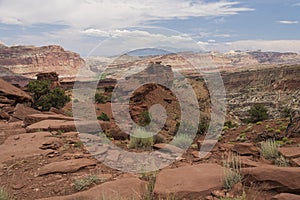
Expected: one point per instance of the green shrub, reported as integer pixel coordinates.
(286, 112)
(4, 194)
(84, 183)
(44, 97)
(269, 149)
(141, 139)
(258, 123)
(203, 126)
(39, 88)
(229, 124)
(100, 98)
(55, 98)
(182, 141)
(103, 117)
(257, 113)
(232, 174)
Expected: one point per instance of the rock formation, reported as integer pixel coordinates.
(30, 60)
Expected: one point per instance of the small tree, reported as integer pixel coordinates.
(257, 113)
(44, 97)
(203, 126)
(39, 88)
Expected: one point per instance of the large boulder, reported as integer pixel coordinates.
(281, 179)
(189, 182)
(21, 112)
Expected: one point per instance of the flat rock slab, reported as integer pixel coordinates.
(66, 166)
(286, 196)
(125, 188)
(26, 145)
(281, 179)
(189, 182)
(245, 149)
(34, 118)
(62, 125)
(290, 152)
(295, 162)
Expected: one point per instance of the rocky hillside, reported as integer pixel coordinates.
(30, 60)
(233, 61)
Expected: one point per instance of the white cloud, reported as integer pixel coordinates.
(109, 14)
(297, 4)
(288, 22)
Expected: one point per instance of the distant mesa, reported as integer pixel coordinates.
(30, 60)
(148, 52)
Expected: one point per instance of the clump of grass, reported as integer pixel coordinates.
(269, 149)
(84, 183)
(282, 162)
(141, 139)
(243, 197)
(232, 174)
(182, 141)
(4, 194)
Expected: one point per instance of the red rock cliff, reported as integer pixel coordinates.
(30, 60)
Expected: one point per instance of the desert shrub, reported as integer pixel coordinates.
(257, 113)
(282, 162)
(45, 97)
(258, 123)
(84, 183)
(55, 98)
(232, 174)
(141, 139)
(286, 112)
(100, 98)
(269, 149)
(182, 141)
(39, 88)
(145, 118)
(103, 117)
(4, 194)
(203, 126)
(229, 124)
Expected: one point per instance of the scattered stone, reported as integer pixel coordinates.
(281, 179)
(290, 152)
(237, 190)
(189, 181)
(169, 148)
(286, 196)
(67, 166)
(218, 193)
(17, 137)
(52, 143)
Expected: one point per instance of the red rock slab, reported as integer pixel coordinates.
(66, 166)
(286, 196)
(281, 179)
(290, 152)
(122, 189)
(189, 182)
(27, 145)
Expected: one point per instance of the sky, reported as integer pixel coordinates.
(110, 27)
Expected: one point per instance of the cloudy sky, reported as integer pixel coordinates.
(114, 26)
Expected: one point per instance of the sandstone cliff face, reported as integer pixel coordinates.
(30, 60)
